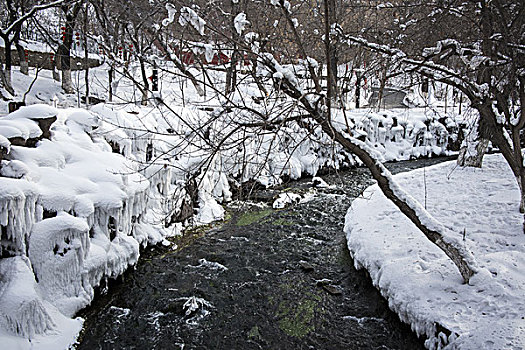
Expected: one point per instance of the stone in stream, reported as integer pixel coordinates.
(306, 266)
(323, 282)
(334, 290)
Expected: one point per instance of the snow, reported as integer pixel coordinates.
(285, 199)
(420, 283)
(240, 22)
(171, 14)
(187, 15)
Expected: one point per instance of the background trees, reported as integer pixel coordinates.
(17, 13)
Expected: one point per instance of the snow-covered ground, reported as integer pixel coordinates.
(420, 283)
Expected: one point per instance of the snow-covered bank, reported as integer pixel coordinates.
(421, 283)
(72, 213)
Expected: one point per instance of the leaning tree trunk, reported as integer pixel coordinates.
(430, 227)
(463, 259)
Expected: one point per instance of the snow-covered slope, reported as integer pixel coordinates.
(421, 283)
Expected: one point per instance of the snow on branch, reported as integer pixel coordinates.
(172, 11)
(29, 14)
(188, 15)
(240, 22)
(429, 68)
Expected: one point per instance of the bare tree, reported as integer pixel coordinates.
(487, 68)
(17, 14)
(311, 110)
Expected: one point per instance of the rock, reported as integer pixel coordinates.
(323, 282)
(334, 290)
(319, 183)
(93, 100)
(14, 106)
(306, 266)
(45, 124)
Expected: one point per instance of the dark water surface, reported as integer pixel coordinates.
(265, 279)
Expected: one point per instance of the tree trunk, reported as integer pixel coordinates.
(144, 90)
(64, 49)
(381, 92)
(358, 92)
(86, 55)
(462, 258)
(110, 84)
(6, 76)
(471, 154)
(67, 81)
(415, 212)
(332, 52)
(231, 73)
(475, 143)
(24, 64)
(56, 75)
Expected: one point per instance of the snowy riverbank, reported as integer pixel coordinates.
(420, 282)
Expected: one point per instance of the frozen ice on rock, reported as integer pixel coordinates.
(22, 311)
(285, 199)
(73, 213)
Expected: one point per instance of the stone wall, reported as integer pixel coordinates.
(43, 59)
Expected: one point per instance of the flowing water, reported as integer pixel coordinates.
(264, 279)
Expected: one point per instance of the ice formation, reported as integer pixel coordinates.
(72, 212)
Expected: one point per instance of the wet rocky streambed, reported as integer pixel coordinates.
(263, 279)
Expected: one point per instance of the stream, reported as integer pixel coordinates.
(263, 279)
